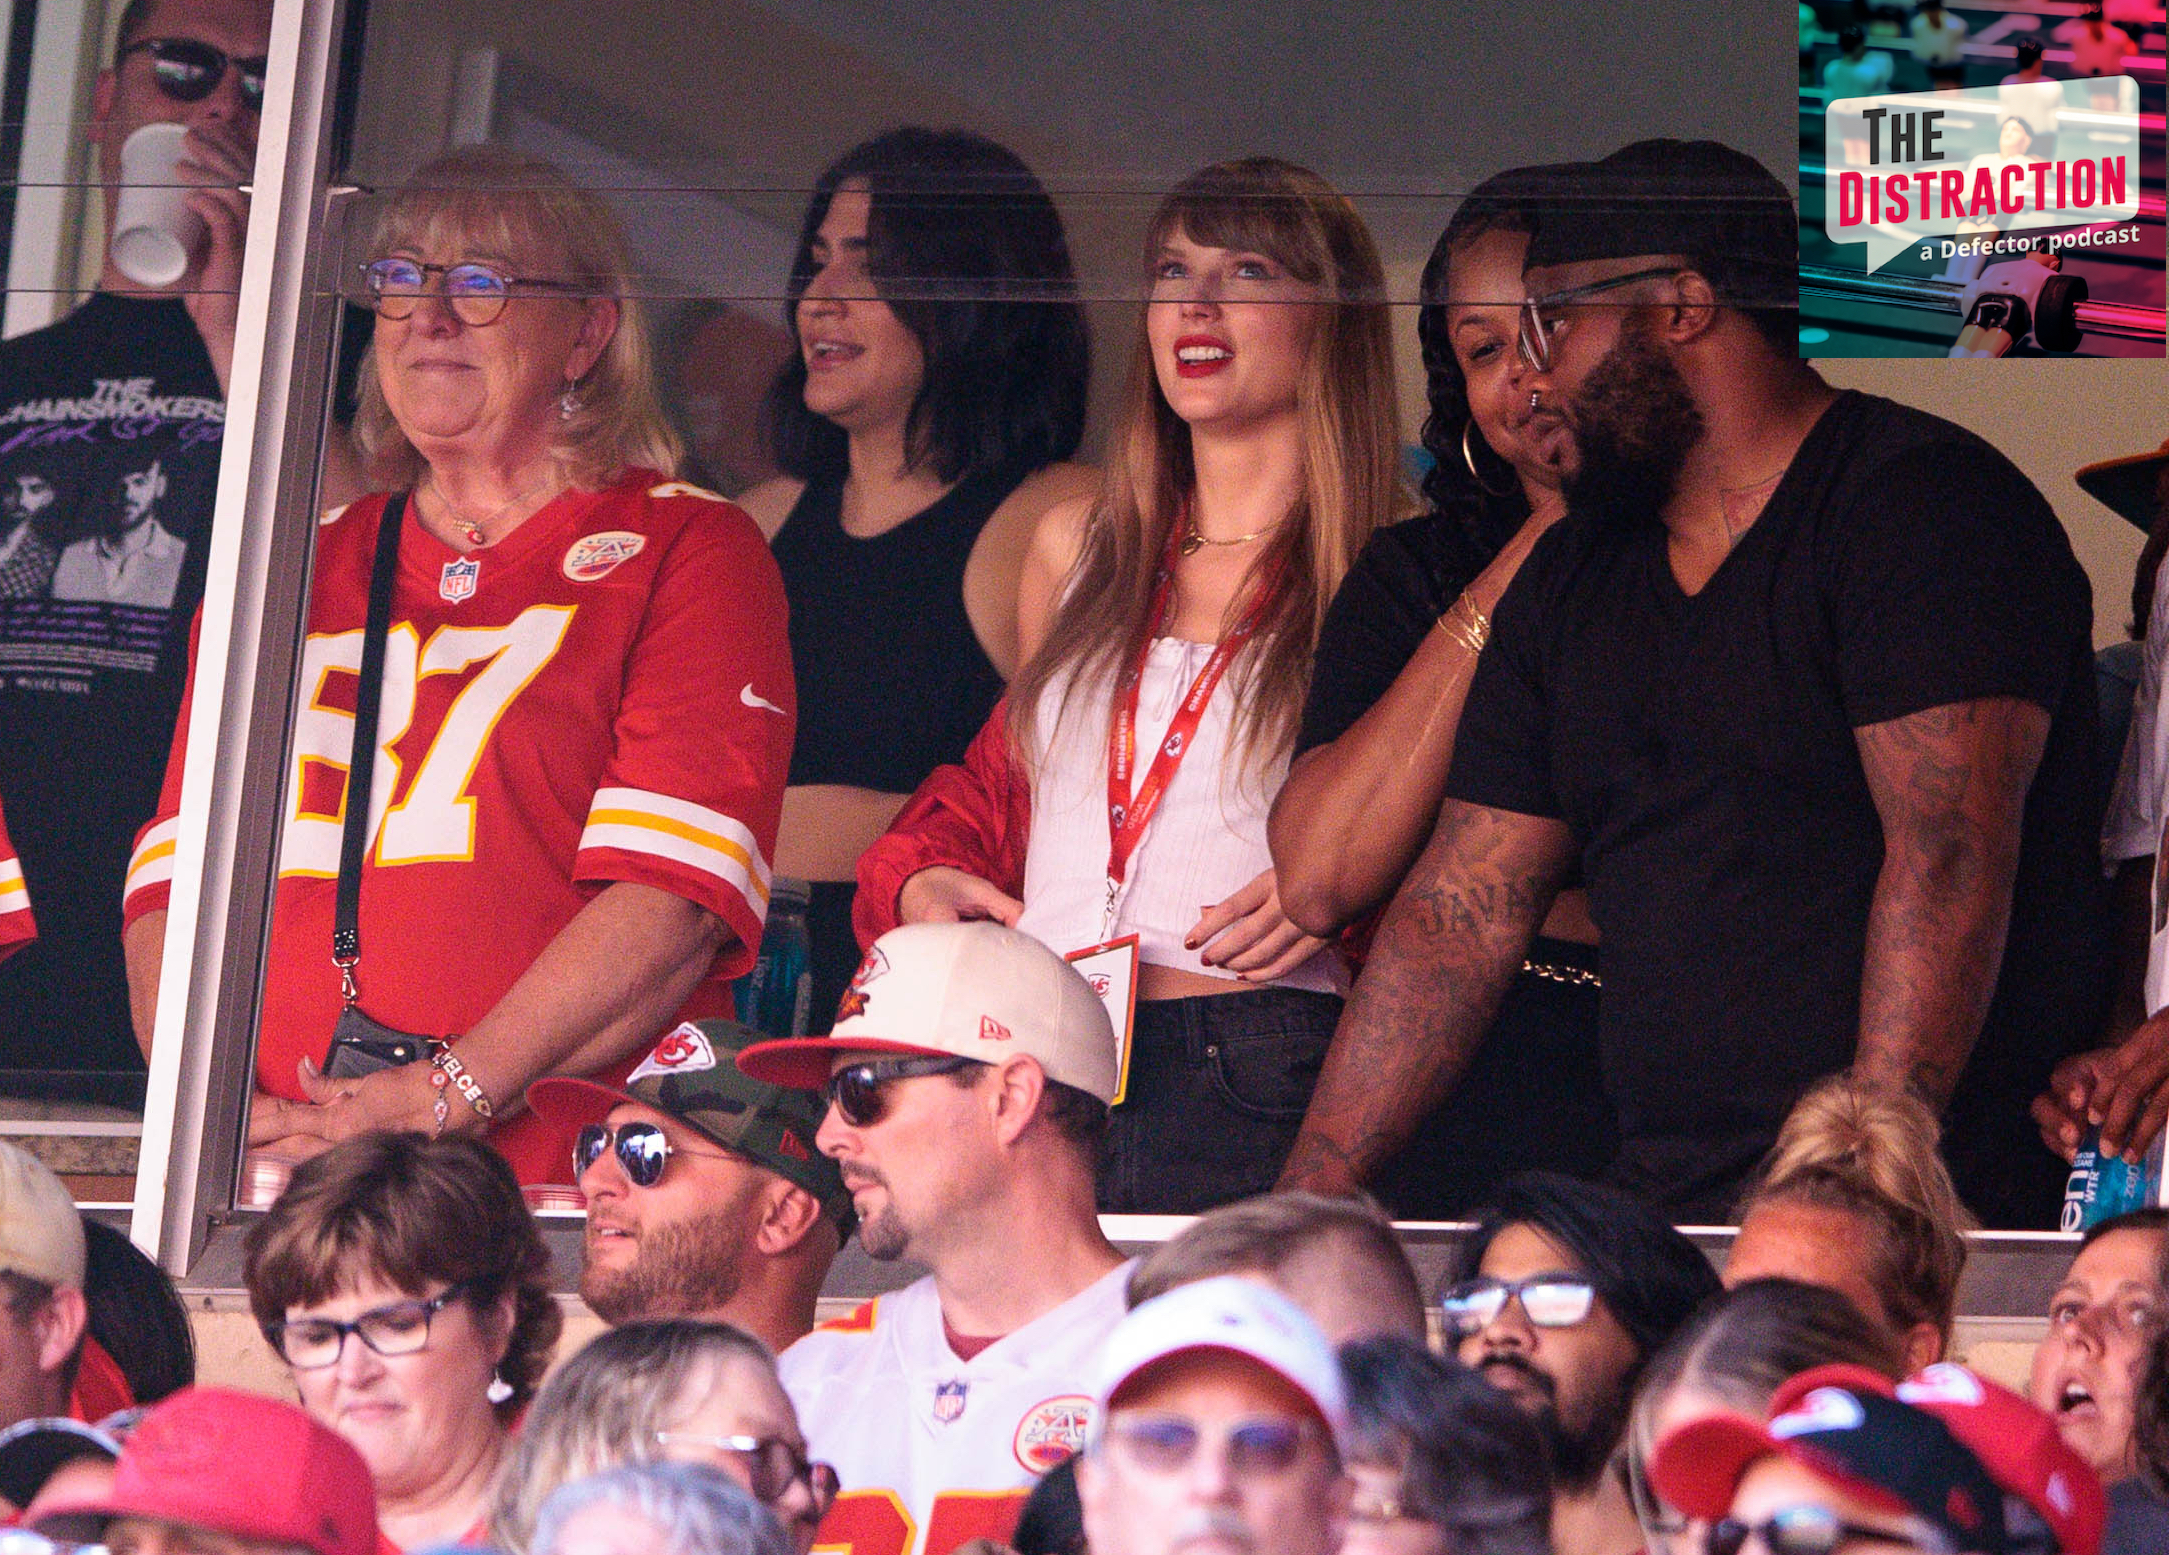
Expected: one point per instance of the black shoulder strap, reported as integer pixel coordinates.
(362, 762)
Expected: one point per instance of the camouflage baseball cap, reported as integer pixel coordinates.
(693, 1076)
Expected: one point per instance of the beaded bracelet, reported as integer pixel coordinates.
(450, 1074)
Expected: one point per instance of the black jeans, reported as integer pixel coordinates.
(1218, 1087)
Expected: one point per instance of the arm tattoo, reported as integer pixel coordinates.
(1950, 787)
(1447, 948)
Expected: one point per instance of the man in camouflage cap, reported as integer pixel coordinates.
(706, 1197)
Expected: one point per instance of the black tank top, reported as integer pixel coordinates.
(892, 681)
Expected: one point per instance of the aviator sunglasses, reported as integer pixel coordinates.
(856, 1091)
(1812, 1530)
(188, 71)
(642, 1149)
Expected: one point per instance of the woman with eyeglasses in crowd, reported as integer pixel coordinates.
(403, 1282)
(585, 699)
(665, 1391)
(1168, 627)
(1393, 667)
(925, 423)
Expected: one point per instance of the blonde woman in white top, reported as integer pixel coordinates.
(1173, 617)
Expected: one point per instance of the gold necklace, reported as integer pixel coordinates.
(1192, 539)
(474, 529)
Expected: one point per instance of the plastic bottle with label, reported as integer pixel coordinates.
(776, 997)
(2099, 1188)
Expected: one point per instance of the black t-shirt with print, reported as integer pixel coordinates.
(1702, 751)
(110, 423)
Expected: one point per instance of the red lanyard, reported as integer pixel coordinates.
(1128, 816)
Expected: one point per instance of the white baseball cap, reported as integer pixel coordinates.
(41, 1232)
(977, 990)
(1240, 1316)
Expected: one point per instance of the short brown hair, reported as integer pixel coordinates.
(1268, 1234)
(413, 1212)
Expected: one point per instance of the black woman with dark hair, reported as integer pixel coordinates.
(924, 424)
(1393, 666)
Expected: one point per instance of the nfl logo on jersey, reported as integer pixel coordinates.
(949, 1400)
(456, 582)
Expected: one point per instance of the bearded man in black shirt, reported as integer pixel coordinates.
(1803, 683)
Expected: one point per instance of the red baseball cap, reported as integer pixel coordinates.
(235, 1463)
(2017, 1443)
(1857, 1437)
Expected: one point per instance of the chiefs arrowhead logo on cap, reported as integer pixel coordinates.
(682, 1052)
(853, 1002)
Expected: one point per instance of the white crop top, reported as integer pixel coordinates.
(1206, 841)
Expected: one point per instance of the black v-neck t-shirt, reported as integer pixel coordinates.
(1702, 750)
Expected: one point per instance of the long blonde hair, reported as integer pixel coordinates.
(1872, 1154)
(519, 205)
(1351, 459)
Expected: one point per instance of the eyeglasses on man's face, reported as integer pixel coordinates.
(1547, 1300)
(642, 1151)
(187, 70)
(1543, 317)
(1258, 1448)
(859, 1092)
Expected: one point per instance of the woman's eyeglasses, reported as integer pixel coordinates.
(1164, 1444)
(399, 1328)
(642, 1149)
(476, 293)
(188, 71)
(1549, 1300)
(857, 1091)
(773, 1466)
(1808, 1530)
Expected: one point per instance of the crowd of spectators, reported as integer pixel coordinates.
(1693, 815)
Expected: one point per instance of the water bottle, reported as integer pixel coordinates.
(776, 997)
(2099, 1188)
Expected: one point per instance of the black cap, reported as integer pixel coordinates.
(1718, 206)
(30, 1450)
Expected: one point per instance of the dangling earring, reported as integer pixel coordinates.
(499, 1390)
(568, 403)
(1468, 456)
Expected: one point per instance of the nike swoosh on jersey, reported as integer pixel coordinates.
(752, 698)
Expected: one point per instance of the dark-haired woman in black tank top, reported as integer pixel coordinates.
(923, 440)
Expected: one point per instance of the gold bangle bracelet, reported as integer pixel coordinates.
(1466, 623)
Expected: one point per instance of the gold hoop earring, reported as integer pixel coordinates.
(1468, 456)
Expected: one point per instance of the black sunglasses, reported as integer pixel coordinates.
(856, 1090)
(642, 1149)
(1806, 1530)
(188, 70)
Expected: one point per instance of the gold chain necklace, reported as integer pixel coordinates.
(1192, 539)
(474, 529)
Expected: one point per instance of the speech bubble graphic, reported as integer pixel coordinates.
(1909, 168)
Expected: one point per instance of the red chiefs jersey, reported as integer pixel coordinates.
(604, 696)
(17, 927)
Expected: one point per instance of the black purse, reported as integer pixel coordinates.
(360, 1045)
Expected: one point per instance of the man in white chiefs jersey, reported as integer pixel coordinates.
(968, 1076)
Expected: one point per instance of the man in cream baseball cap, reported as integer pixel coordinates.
(968, 1077)
(43, 1316)
(1219, 1422)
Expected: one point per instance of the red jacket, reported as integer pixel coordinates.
(976, 816)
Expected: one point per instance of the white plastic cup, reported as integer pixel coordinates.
(154, 231)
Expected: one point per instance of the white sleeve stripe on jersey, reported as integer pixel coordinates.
(152, 862)
(14, 890)
(686, 833)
